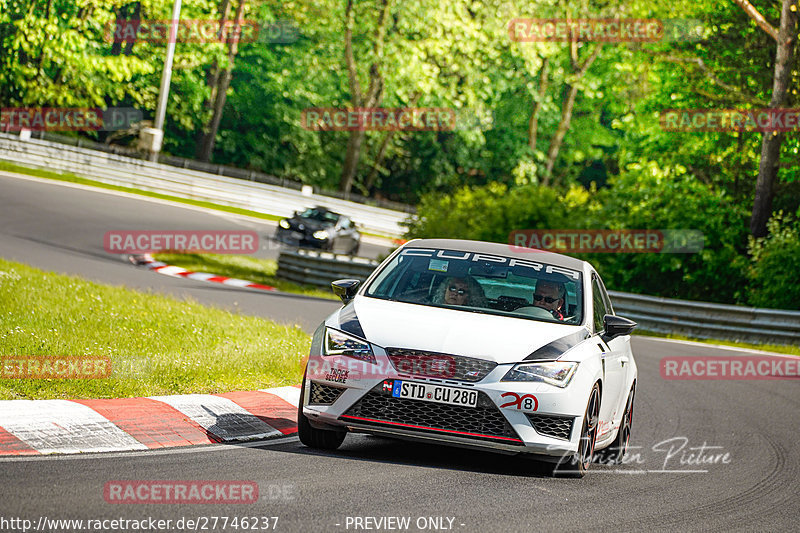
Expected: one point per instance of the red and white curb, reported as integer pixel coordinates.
(33, 427)
(148, 262)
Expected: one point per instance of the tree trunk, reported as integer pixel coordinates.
(374, 92)
(533, 123)
(771, 141)
(376, 165)
(561, 132)
(137, 15)
(219, 81)
(566, 112)
(351, 159)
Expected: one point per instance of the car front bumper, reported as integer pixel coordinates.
(511, 417)
(298, 238)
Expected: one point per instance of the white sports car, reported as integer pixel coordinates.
(475, 344)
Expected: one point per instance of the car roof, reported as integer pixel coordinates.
(505, 250)
(324, 210)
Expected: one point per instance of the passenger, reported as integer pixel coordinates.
(550, 295)
(460, 291)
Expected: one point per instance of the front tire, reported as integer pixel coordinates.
(312, 437)
(577, 464)
(615, 453)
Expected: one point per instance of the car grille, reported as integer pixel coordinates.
(559, 427)
(482, 422)
(323, 394)
(439, 365)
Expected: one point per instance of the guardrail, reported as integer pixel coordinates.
(662, 315)
(709, 321)
(124, 171)
(321, 268)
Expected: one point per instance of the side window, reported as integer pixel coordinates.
(345, 223)
(599, 305)
(606, 298)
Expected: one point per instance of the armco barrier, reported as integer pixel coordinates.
(321, 268)
(709, 321)
(125, 171)
(663, 315)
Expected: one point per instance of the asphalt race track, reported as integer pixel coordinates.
(743, 479)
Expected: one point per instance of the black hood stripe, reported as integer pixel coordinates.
(554, 349)
(348, 321)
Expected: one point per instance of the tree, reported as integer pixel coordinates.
(374, 93)
(786, 39)
(220, 79)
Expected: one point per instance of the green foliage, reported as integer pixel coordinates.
(775, 268)
(643, 197)
(646, 196)
(480, 180)
(491, 212)
(156, 344)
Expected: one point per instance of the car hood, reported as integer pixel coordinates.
(309, 224)
(495, 338)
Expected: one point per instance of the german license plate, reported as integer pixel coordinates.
(434, 393)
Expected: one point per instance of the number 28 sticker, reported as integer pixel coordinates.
(526, 402)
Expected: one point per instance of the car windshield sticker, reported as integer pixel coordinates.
(438, 265)
(470, 256)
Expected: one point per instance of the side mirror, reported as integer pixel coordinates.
(345, 289)
(616, 326)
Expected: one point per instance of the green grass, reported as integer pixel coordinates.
(243, 267)
(157, 344)
(72, 178)
(777, 348)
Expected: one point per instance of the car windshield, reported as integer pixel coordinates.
(317, 214)
(482, 283)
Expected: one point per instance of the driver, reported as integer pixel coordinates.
(460, 291)
(550, 295)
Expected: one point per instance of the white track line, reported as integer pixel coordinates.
(61, 426)
(220, 416)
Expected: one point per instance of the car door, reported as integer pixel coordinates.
(612, 357)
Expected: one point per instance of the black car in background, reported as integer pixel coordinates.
(319, 227)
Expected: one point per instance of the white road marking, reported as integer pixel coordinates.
(200, 448)
(289, 394)
(220, 416)
(715, 346)
(61, 426)
(172, 270)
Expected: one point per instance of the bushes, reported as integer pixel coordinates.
(491, 212)
(775, 265)
(646, 196)
(643, 197)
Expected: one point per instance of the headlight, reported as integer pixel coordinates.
(284, 224)
(338, 343)
(558, 373)
(321, 234)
